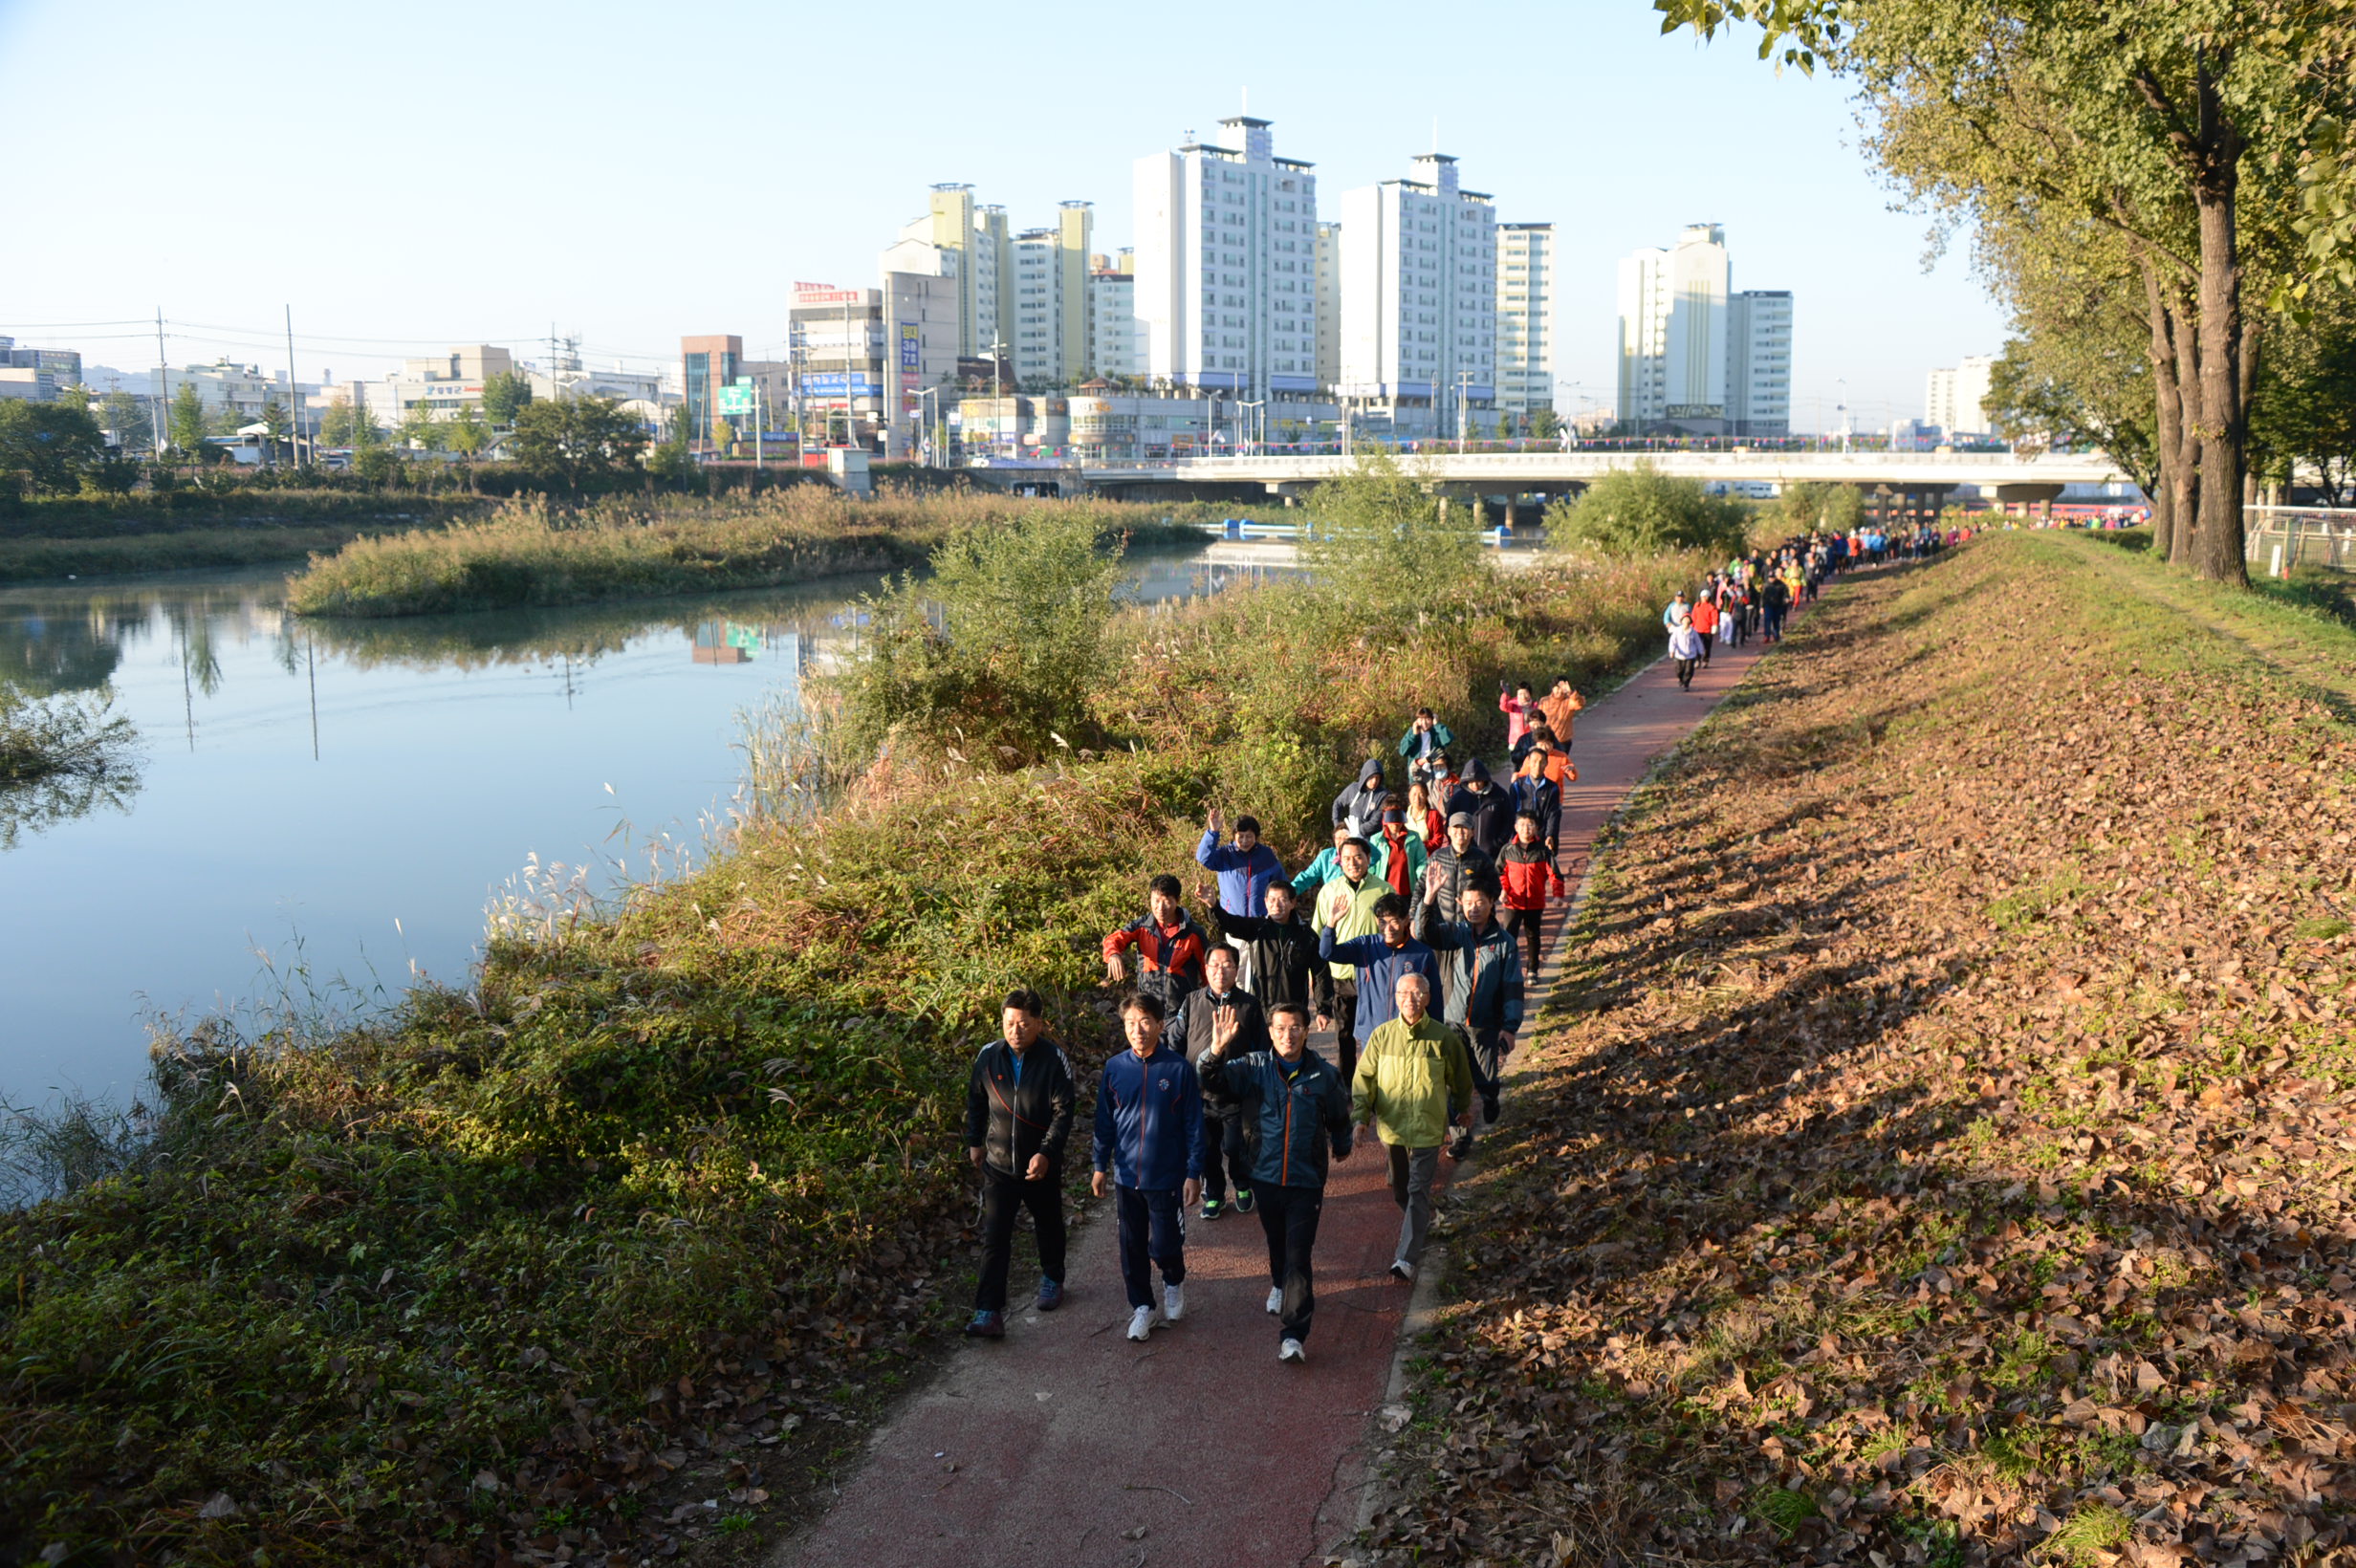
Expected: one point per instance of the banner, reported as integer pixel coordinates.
(909, 344)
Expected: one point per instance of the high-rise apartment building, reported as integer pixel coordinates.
(961, 239)
(1051, 340)
(1112, 317)
(1758, 362)
(1955, 396)
(1227, 264)
(1328, 305)
(1526, 291)
(1696, 357)
(1419, 298)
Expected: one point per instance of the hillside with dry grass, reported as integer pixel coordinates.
(1940, 1149)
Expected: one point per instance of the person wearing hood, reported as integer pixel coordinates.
(1490, 808)
(1360, 805)
(1399, 853)
(1169, 946)
(1245, 869)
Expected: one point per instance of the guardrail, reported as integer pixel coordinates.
(2283, 537)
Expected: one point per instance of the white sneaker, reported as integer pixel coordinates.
(1290, 1351)
(1403, 1270)
(1173, 1303)
(1275, 1298)
(1141, 1323)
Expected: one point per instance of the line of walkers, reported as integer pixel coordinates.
(1406, 938)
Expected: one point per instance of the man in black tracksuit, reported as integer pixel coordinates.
(1019, 1116)
(1490, 807)
(1224, 1154)
(1278, 951)
(1459, 862)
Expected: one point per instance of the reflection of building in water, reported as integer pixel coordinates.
(718, 642)
(725, 642)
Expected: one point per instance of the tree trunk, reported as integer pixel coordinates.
(2187, 508)
(2169, 420)
(2224, 411)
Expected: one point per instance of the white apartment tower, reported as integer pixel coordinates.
(1112, 317)
(1328, 305)
(956, 238)
(1226, 265)
(1419, 298)
(1673, 333)
(1758, 362)
(1954, 395)
(1526, 345)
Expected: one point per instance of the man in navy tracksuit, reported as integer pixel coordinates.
(1019, 1116)
(1301, 1110)
(1382, 957)
(1245, 869)
(1150, 1141)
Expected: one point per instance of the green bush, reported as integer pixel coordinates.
(1386, 552)
(1641, 511)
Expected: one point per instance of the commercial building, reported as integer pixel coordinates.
(36, 375)
(1419, 300)
(706, 364)
(860, 357)
(960, 239)
(1696, 359)
(1955, 397)
(1758, 362)
(1227, 264)
(1526, 333)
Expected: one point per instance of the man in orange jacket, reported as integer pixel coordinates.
(1559, 707)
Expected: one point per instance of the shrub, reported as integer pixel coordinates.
(1641, 511)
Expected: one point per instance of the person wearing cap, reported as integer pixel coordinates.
(1399, 853)
(1244, 868)
(1443, 781)
(1680, 608)
(1458, 861)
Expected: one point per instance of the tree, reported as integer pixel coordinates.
(504, 396)
(1386, 550)
(467, 435)
(129, 420)
(1834, 508)
(1640, 510)
(2304, 413)
(573, 439)
(669, 462)
(1544, 423)
(420, 429)
(347, 423)
(274, 420)
(188, 422)
(2213, 135)
(50, 446)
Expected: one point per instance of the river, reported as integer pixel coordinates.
(319, 811)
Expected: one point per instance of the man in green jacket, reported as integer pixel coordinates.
(1413, 1078)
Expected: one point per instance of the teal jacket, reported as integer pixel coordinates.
(1296, 1112)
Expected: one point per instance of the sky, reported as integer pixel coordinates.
(410, 177)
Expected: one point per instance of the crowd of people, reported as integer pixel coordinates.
(1412, 937)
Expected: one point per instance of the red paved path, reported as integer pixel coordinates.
(1045, 1450)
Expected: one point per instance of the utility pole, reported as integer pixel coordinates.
(164, 384)
(293, 391)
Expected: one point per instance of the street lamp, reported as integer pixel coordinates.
(1464, 406)
(1259, 425)
(935, 393)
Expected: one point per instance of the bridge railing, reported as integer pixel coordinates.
(2279, 538)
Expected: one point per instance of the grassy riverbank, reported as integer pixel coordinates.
(527, 553)
(657, 1209)
(190, 528)
(1943, 1154)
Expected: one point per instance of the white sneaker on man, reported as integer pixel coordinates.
(1173, 1303)
(1141, 1323)
(1290, 1351)
(1275, 1298)
(1403, 1270)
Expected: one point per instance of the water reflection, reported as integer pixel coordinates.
(29, 806)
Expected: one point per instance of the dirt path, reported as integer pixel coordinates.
(1068, 1445)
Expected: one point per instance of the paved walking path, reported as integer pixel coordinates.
(1066, 1445)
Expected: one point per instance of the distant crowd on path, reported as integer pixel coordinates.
(1412, 937)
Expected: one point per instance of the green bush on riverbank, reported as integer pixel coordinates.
(551, 1254)
(527, 553)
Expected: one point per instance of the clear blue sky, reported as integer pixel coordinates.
(412, 176)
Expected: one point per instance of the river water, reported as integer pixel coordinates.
(318, 811)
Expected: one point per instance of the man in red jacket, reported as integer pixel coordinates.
(1169, 946)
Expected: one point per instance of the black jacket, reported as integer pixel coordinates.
(1456, 870)
(1493, 813)
(1541, 798)
(1281, 959)
(1013, 1121)
(1202, 1016)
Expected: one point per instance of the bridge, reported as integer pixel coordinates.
(2006, 477)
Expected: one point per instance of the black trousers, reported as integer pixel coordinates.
(1288, 1218)
(1002, 1197)
(1346, 1028)
(1153, 1229)
(1707, 638)
(1685, 671)
(1530, 923)
(1224, 1157)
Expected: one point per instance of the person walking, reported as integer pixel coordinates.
(1169, 946)
(1685, 646)
(1706, 624)
(1519, 706)
(1490, 808)
(1380, 957)
(1344, 910)
(1774, 598)
(1359, 807)
(1562, 707)
(1399, 853)
(1019, 1118)
(1529, 876)
(1480, 968)
(1413, 1080)
(1244, 869)
(1424, 736)
(1222, 1150)
(1299, 1111)
(1457, 863)
(1149, 1144)
(1540, 797)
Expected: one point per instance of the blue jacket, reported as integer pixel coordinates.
(1150, 1121)
(1484, 970)
(1294, 1112)
(1380, 965)
(1242, 878)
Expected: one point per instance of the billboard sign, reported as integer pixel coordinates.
(909, 344)
(835, 383)
(736, 400)
(807, 295)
